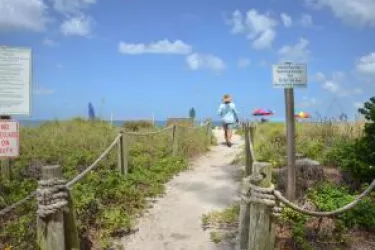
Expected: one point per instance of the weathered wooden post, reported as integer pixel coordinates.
(51, 203)
(70, 226)
(175, 140)
(244, 220)
(290, 126)
(209, 132)
(261, 230)
(252, 134)
(248, 157)
(123, 153)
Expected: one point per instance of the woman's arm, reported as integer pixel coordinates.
(235, 112)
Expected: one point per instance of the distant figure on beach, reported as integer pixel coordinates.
(229, 116)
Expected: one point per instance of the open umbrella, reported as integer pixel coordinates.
(262, 112)
(302, 115)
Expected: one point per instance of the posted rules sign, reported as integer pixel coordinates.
(9, 139)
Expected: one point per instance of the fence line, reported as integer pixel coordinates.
(53, 194)
(261, 205)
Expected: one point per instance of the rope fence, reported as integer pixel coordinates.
(261, 204)
(53, 199)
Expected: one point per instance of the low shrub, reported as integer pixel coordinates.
(137, 125)
(328, 197)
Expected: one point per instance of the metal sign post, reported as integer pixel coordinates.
(288, 76)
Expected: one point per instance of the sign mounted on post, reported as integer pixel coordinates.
(15, 81)
(9, 139)
(289, 75)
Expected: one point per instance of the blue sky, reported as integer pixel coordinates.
(138, 58)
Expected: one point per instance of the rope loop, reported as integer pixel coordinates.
(262, 195)
(52, 197)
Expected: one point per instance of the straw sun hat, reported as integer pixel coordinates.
(227, 98)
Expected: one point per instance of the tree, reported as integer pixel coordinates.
(91, 112)
(192, 113)
(368, 111)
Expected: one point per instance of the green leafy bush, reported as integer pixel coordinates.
(328, 197)
(358, 156)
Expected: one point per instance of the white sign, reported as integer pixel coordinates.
(9, 139)
(289, 75)
(15, 81)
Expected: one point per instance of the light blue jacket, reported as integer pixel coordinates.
(228, 112)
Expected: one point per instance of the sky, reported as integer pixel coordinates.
(136, 59)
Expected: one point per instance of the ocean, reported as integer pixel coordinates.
(37, 123)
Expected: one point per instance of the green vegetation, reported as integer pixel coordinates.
(106, 202)
(222, 219)
(348, 148)
(136, 126)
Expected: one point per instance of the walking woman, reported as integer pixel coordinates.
(229, 116)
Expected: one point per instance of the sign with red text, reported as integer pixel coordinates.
(9, 139)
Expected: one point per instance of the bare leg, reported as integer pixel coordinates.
(230, 133)
(225, 133)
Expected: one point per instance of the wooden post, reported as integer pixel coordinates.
(175, 140)
(6, 173)
(244, 221)
(70, 229)
(122, 154)
(290, 125)
(50, 231)
(261, 230)
(208, 133)
(252, 134)
(248, 157)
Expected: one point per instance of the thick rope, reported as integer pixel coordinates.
(51, 196)
(341, 210)
(10, 208)
(92, 166)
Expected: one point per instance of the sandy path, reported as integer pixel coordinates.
(174, 222)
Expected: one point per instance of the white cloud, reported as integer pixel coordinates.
(71, 6)
(308, 102)
(259, 28)
(366, 64)
(306, 20)
(49, 42)
(23, 15)
(204, 61)
(160, 47)
(298, 53)
(320, 77)
(287, 20)
(237, 22)
(356, 12)
(77, 26)
(331, 86)
(40, 90)
(243, 62)
(336, 84)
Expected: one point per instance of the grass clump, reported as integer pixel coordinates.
(224, 222)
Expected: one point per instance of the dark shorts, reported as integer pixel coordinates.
(227, 126)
